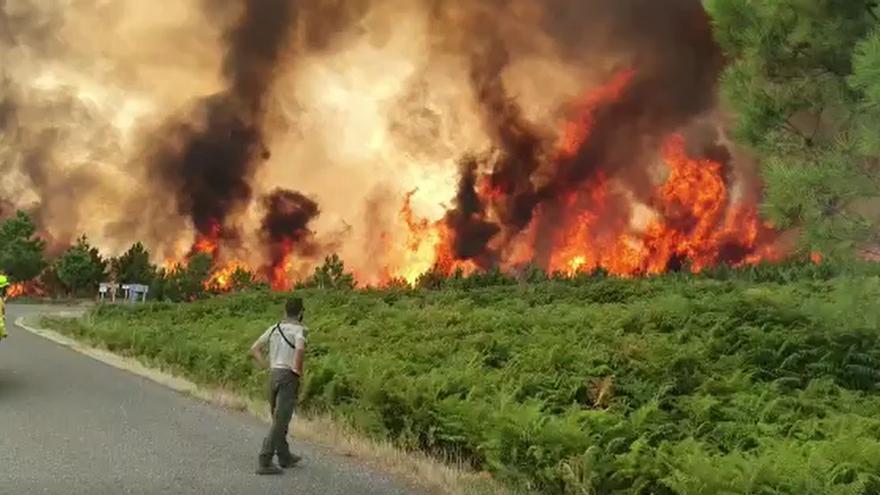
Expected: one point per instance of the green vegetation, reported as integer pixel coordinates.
(183, 282)
(134, 266)
(805, 87)
(21, 252)
(330, 275)
(756, 381)
(81, 268)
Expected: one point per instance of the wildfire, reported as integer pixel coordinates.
(575, 131)
(24, 289)
(690, 219)
(222, 279)
(278, 161)
(279, 278)
(693, 221)
(15, 290)
(208, 243)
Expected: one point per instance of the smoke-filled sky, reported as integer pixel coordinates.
(271, 123)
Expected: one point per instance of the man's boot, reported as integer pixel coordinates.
(265, 467)
(289, 460)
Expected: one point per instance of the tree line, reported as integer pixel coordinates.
(79, 270)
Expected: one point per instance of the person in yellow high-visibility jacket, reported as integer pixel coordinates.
(4, 284)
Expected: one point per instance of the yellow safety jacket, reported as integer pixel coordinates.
(2, 317)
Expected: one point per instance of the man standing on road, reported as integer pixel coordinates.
(286, 342)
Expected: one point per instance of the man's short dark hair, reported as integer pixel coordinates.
(294, 306)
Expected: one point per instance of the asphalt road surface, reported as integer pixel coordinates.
(73, 425)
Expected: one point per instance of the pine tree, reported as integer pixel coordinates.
(802, 85)
(81, 267)
(21, 251)
(134, 266)
(331, 274)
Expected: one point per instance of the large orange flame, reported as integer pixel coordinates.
(221, 279)
(690, 220)
(208, 243)
(693, 222)
(280, 271)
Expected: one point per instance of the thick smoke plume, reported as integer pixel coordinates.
(212, 169)
(669, 81)
(475, 133)
(286, 230)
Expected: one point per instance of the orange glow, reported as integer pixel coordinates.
(816, 257)
(32, 288)
(208, 243)
(15, 290)
(687, 220)
(170, 265)
(280, 279)
(576, 131)
(221, 278)
(694, 222)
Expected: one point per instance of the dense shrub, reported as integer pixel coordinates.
(677, 384)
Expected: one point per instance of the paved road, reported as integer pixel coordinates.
(72, 425)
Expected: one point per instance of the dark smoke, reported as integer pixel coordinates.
(472, 231)
(518, 141)
(286, 225)
(213, 168)
(519, 146)
(324, 20)
(677, 64)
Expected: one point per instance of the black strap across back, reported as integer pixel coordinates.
(278, 327)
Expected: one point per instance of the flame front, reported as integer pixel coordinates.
(15, 290)
(208, 242)
(221, 279)
(21, 289)
(689, 220)
(350, 108)
(280, 278)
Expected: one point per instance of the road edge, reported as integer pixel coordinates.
(413, 467)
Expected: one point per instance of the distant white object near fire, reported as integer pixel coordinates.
(135, 291)
(105, 288)
(132, 292)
